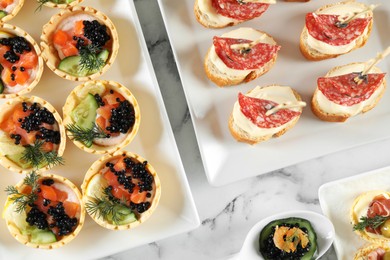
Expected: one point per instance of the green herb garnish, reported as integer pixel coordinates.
(36, 156)
(41, 3)
(86, 136)
(374, 222)
(23, 200)
(89, 58)
(107, 207)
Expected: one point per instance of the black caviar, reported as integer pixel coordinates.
(96, 33)
(18, 45)
(34, 121)
(48, 182)
(61, 220)
(135, 174)
(122, 118)
(37, 218)
(277, 254)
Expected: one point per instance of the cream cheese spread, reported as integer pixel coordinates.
(332, 108)
(278, 94)
(241, 33)
(339, 9)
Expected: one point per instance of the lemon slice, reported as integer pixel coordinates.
(91, 88)
(96, 186)
(18, 218)
(8, 147)
(5, 35)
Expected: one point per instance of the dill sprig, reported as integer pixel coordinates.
(23, 200)
(41, 3)
(89, 59)
(84, 135)
(374, 222)
(106, 207)
(36, 156)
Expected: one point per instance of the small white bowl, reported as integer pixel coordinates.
(322, 226)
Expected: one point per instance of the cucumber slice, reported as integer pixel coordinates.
(2, 13)
(71, 66)
(85, 113)
(125, 214)
(17, 158)
(1, 86)
(42, 237)
(268, 249)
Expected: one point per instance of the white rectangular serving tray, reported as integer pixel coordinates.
(336, 199)
(176, 212)
(226, 160)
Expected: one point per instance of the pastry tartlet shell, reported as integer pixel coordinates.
(14, 30)
(49, 53)
(72, 102)
(97, 166)
(7, 108)
(362, 233)
(62, 6)
(66, 239)
(13, 13)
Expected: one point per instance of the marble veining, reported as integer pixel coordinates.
(228, 212)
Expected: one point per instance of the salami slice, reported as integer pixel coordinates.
(250, 59)
(239, 10)
(323, 28)
(255, 110)
(343, 90)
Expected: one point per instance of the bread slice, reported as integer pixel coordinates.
(224, 78)
(242, 136)
(363, 252)
(310, 53)
(205, 19)
(207, 16)
(324, 115)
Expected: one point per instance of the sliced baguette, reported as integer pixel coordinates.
(313, 54)
(223, 78)
(242, 136)
(209, 18)
(207, 21)
(342, 117)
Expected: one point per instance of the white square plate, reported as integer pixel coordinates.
(336, 200)
(176, 212)
(226, 160)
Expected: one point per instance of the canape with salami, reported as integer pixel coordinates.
(21, 65)
(346, 91)
(240, 56)
(121, 191)
(222, 13)
(44, 211)
(265, 112)
(79, 43)
(336, 29)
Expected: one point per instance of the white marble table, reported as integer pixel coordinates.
(228, 212)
